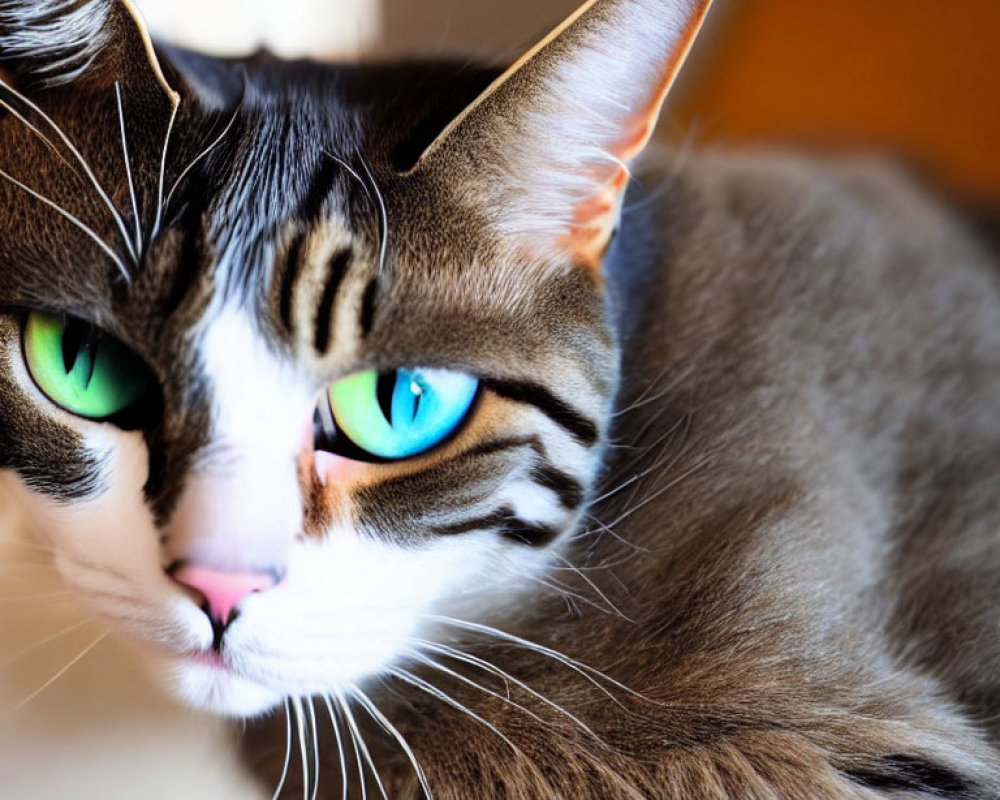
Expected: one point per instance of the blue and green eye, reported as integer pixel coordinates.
(389, 416)
(81, 368)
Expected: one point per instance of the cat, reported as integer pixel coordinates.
(409, 401)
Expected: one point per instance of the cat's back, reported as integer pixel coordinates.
(833, 327)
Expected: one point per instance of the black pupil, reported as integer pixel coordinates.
(79, 338)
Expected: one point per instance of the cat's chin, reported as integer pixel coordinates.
(207, 687)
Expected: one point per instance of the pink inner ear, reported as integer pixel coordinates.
(594, 219)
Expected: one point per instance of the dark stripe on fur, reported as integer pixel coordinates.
(491, 446)
(339, 263)
(293, 263)
(368, 307)
(320, 186)
(584, 430)
(507, 524)
(913, 774)
(529, 533)
(569, 490)
(192, 257)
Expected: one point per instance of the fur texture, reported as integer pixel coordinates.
(723, 522)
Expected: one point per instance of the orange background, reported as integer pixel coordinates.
(918, 78)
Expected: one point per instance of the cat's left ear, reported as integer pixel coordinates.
(91, 44)
(543, 153)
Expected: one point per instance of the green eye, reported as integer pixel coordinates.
(81, 368)
(394, 415)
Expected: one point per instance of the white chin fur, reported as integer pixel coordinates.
(207, 688)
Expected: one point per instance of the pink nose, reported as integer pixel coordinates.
(222, 591)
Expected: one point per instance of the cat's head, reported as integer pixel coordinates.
(291, 367)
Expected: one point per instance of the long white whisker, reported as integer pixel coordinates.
(37, 131)
(344, 780)
(314, 731)
(128, 169)
(69, 217)
(369, 705)
(300, 730)
(200, 156)
(383, 215)
(356, 732)
(158, 221)
(430, 662)
(486, 666)
(73, 662)
(83, 163)
(435, 692)
(585, 671)
(288, 750)
(357, 751)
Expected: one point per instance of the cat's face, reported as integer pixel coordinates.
(280, 400)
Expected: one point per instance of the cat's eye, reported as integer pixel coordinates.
(81, 368)
(389, 416)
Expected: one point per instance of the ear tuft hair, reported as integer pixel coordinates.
(53, 41)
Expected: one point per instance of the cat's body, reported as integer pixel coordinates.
(804, 479)
(722, 522)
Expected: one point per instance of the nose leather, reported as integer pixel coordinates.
(221, 590)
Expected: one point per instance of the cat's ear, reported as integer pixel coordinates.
(544, 151)
(89, 44)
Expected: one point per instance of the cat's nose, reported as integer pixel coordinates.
(222, 591)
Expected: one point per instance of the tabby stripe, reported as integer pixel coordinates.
(486, 522)
(339, 264)
(568, 489)
(584, 430)
(320, 185)
(529, 533)
(192, 257)
(507, 524)
(368, 307)
(293, 264)
(913, 774)
(493, 446)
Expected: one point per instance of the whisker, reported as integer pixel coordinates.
(204, 153)
(300, 729)
(357, 752)
(158, 220)
(487, 666)
(369, 705)
(314, 734)
(38, 132)
(344, 781)
(83, 163)
(70, 218)
(430, 662)
(59, 634)
(374, 196)
(128, 169)
(356, 732)
(383, 215)
(73, 662)
(288, 750)
(435, 692)
(585, 671)
(698, 465)
(597, 590)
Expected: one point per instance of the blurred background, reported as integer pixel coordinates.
(918, 78)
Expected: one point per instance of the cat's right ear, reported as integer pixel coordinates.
(543, 154)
